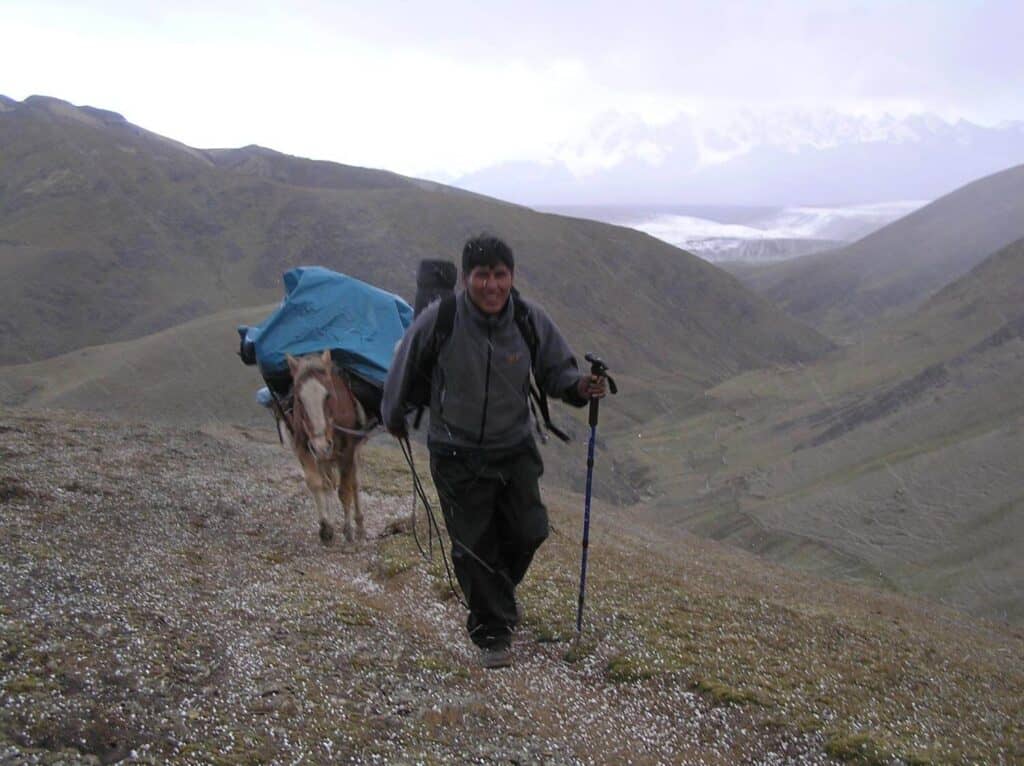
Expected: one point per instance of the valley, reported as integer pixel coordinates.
(887, 455)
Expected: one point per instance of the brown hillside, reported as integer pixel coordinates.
(109, 233)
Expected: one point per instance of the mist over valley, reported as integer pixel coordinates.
(756, 234)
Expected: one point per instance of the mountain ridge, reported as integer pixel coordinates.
(110, 233)
(790, 158)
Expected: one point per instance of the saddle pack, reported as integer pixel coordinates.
(322, 309)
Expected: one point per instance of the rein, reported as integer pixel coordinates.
(433, 528)
(359, 434)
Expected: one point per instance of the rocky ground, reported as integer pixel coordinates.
(165, 599)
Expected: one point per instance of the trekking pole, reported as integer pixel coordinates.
(597, 367)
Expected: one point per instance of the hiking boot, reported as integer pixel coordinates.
(497, 656)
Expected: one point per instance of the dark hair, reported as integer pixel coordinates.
(486, 250)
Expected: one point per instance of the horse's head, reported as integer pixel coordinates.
(315, 391)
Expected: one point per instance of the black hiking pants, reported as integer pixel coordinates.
(496, 522)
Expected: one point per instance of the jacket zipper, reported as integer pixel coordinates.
(487, 385)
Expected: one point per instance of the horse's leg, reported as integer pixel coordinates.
(353, 484)
(319, 489)
(348, 494)
(345, 496)
(360, 529)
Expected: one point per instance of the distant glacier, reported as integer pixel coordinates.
(720, 233)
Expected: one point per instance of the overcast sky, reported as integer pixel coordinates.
(446, 87)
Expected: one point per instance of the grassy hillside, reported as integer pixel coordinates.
(186, 374)
(191, 374)
(892, 271)
(109, 233)
(165, 598)
(894, 461)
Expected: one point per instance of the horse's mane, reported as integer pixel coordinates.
(308, 364)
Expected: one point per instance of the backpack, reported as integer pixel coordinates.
(419, 394)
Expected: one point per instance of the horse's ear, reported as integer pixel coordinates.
(293, 363)
(325, 357)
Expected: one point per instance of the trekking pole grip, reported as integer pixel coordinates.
(598, 367)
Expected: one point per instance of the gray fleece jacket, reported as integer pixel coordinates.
(480, 382)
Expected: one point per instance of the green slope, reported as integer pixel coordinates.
(892, 271)
(109, 232)
(896, 460)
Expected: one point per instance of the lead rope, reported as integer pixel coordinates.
(432, 526)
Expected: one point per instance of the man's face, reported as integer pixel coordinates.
(489, 287)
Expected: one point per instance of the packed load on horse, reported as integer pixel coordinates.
(326, 310)
(324, 354)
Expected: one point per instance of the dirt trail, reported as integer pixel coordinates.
(165, 599)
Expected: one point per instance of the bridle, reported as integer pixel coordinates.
(328, 379)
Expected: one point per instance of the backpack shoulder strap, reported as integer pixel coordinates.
(524, 321)
(443, 326)
(439, 336)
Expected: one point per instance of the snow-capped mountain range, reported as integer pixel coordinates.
(781, 157)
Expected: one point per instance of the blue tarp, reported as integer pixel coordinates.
(322, 309)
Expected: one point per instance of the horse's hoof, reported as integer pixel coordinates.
(347, 531)
(326, 533)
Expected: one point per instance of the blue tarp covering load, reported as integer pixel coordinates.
(323, 309)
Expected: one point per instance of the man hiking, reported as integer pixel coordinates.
(483, 458)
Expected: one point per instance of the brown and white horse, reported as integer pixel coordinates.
(325, 420)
